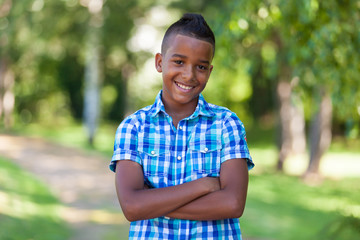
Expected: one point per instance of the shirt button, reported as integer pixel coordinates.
(179, 157)
(153, 152)
(206, 149)
(180, 127)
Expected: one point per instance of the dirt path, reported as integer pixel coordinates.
(81, 180)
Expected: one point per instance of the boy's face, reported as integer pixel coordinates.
(186, 68)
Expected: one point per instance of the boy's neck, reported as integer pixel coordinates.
(179, 111)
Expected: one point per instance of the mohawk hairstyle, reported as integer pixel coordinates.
(191, 25)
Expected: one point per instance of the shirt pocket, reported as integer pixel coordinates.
(155, 162)
(205, 156)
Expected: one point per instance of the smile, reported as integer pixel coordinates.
(183, 86)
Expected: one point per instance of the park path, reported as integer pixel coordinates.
(81, 180)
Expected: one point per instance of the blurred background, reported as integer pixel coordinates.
(71, 70)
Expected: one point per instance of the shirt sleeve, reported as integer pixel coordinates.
(125, 144)
(234, 141)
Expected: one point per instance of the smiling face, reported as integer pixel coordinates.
(186, 68)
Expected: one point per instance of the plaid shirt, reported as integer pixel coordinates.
(170, 156)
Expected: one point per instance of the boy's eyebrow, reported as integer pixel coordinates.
(183, 56)
(179, 55)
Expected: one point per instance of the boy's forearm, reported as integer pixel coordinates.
(213, 206)
(196, 200)
(229, 202)
(139, 203)
(157, 202)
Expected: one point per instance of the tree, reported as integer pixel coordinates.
(259, 33)
(44, 44)
(34, 43)
(7, 97)
(331, 63)
(93, 69)
(311, 41)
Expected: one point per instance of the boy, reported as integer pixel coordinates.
(182, 164)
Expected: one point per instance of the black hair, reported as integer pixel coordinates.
(191, 25)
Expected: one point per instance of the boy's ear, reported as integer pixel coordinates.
(211, 68)
(158, 62)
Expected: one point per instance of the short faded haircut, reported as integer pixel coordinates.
(190, 25)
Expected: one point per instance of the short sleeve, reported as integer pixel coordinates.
(125, 144)
(234, 141)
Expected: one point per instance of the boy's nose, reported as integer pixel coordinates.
(188, 73)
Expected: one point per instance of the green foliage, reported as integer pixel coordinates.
(28, 210)
(43, 43)
(315, 39)
(37, 40)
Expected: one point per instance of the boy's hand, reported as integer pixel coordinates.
(228, 202)
(212, 183)
(139, 203)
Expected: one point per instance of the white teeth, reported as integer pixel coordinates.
(183, 86)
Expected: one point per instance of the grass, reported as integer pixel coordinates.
(279, 206)
(28, 210)
(283, 207)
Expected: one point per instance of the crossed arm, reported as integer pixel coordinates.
(203, 199)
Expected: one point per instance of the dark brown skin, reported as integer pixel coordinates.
(228, 202)
(203, 199)
(187, 62)
(138, 202)
(186, 68)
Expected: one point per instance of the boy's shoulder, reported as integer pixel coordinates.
(139, 115)
(220, 111)
(218, 108)
(224, 115)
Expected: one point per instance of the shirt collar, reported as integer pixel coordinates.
(157, 106)
(202, 108)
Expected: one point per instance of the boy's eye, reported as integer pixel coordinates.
(202, 67)
(178, 62)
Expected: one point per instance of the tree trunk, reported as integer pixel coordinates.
(284, 97)
(7, 97)
(2, 77)
(291, 123)
(320, 136)
(93, 70)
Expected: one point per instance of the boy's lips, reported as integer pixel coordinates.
(184, 87)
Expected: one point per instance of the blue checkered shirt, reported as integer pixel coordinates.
(170, 156)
